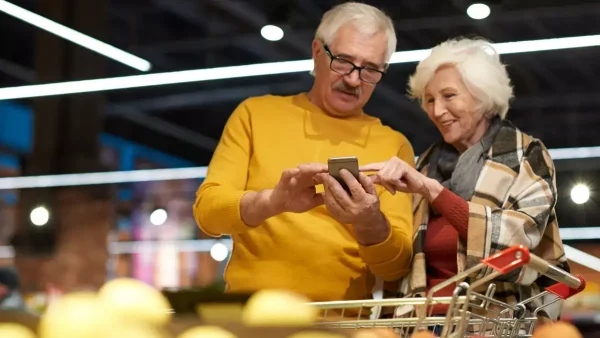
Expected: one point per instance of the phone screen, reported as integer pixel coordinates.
(336, 164)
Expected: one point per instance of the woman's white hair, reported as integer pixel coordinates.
(482, 72)
(366, 18)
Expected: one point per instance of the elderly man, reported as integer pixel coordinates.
(291, 227)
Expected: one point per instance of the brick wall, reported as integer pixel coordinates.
(81, 255)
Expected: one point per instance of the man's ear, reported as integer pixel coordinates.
(317, 49)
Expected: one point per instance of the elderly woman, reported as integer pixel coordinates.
(485, 187)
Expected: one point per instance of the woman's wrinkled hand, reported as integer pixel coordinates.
(396, 175)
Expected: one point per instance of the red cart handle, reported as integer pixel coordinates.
(519, 255)
(509, 259)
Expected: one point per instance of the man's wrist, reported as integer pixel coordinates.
(372, 232)
(271, 203)
(257, 206)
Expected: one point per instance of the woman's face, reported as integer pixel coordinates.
(453, 109)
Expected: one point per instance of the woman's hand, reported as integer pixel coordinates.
(397, 175)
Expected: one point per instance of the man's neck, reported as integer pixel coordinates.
(317, 100)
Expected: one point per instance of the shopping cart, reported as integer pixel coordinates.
(470, 313)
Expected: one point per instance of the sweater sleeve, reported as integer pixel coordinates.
(456, 210)
(217, 205)
(390, 260)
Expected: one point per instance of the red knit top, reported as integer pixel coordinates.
(441, 240)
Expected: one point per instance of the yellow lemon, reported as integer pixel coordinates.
(135, 301)
(278, 308)
(76, 315)
(207, 331)
(15, 331)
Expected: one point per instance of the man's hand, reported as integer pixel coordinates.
(359, 208)
(296, 191)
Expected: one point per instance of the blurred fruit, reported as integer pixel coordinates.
(423, 334)
(278, 308)
(136, 301)
(376, 333)
(316, 334)
(558, 329)
(136, 331)
(386, 333)
(76, 315)
(207, 331)
(365, 333)
(10, 330)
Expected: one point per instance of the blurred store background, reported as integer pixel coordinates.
(138, 221)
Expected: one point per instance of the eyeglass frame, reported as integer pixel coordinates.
(354, 67)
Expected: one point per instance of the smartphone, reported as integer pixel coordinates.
(336, 164)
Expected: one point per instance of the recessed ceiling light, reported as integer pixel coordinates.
(478, 11)
(271, 33)
(580, 194)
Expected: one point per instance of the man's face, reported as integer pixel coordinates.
(345, 95)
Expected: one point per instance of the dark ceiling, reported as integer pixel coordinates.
(556, 91)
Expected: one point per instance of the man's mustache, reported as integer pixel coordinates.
(343, 87)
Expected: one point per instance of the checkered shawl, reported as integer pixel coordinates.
(513, 204)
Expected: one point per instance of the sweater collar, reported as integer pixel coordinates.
(318, 125)
(304, 102)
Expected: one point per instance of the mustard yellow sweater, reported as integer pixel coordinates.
(310, 253)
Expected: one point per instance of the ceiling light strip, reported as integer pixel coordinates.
(579, 233)
(147, 175)
(574, 153)
(109, 177)
(75, 37)
(204, 245)
(582, 258)
(157, 79)
(261, 69)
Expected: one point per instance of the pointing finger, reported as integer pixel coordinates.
(312, 168)
(372, 167)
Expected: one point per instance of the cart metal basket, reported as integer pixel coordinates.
(469, 314)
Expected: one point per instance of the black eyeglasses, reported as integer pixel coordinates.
(345, 67)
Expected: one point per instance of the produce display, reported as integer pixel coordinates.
(128, 308)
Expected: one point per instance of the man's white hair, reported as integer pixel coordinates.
(482, 72)
(365, 18)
